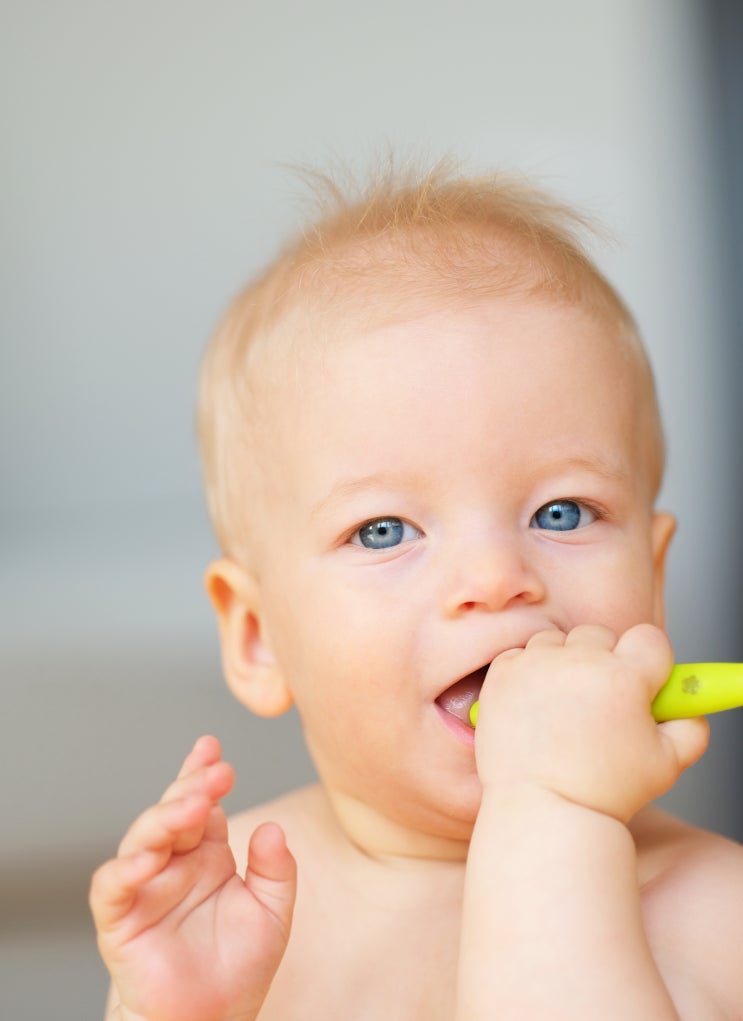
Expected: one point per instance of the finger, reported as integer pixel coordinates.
(594, 636)
(166, 825)
(157, 826)
(205, 752)
(216, 829)
(647, 649)
(550, 637)
(213, 781)
(271, 874)
(114, 886)
(687, 740)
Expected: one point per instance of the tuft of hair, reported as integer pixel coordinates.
(399, 242)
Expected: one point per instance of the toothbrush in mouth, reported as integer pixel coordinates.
(693, 689)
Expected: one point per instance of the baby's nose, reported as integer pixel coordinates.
(490, 576)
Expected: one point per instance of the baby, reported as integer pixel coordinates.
(432, 451)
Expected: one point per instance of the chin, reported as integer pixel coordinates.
(446, 818)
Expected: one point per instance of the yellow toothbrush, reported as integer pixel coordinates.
(693, 689)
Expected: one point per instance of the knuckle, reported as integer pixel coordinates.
(96, 882)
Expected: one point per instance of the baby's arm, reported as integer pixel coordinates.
(183, 936)
(568, 752)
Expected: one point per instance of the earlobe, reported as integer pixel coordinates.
(250, 667)
(662, 531)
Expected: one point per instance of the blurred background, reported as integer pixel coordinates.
(142, 181)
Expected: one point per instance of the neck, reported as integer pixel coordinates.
(380, 838)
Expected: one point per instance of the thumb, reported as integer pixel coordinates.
(271, 875)
(687, 740)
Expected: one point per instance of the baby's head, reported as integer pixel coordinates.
(406, 245)
(430, 431)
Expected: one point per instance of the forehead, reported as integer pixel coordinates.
(563, 341)
(494, 374)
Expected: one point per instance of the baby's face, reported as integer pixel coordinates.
(435, 492)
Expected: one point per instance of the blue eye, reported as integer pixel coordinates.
(562, 516)
(384, 533)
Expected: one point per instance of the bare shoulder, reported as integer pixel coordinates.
(303, 814)
(673, 851)
(692, 899)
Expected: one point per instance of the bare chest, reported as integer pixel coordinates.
(396, 987)
(361, 959)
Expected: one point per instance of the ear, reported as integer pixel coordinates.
(662, 531)
(250, 667)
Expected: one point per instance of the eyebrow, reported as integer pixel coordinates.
(596, 466)
(392, 479)
(346, 490)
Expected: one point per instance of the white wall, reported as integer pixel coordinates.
(141, 183)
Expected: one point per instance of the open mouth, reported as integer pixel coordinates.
(457, 700)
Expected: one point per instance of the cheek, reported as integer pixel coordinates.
(349, 685)
(339, 645)
(616, 589)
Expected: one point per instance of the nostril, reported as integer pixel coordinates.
(478, 583)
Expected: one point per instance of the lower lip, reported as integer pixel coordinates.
(462, 731)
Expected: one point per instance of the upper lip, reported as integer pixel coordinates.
(471, 675)
(483, 667)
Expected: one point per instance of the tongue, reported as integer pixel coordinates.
(458, 699)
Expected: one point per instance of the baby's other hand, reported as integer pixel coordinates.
(183, 936)
(571, 714)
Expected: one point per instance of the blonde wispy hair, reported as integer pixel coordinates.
(399, 243)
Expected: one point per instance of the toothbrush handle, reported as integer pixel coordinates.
(695, 689)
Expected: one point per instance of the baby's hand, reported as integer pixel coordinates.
(571, 714)
(183, 936)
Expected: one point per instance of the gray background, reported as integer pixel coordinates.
(142, 181)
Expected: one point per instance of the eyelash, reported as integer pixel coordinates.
(557, 518)
(386, 525)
